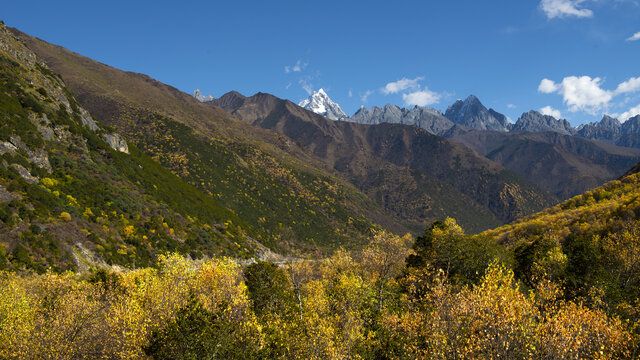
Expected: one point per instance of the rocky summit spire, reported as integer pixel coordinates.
(472, 114)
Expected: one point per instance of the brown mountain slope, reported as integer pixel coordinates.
(563, 164)
(357, 151)
(284, 192)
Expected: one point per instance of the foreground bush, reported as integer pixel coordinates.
(364, 305)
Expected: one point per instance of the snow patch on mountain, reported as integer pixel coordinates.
(320, 103)
(198, 95)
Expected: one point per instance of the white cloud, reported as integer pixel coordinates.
(350, 93)
(584, 93)
(548, 110)
(579, 93)
(511, 106)
(421, 98)
(631, 85)
(401, 85)
(366, 96)
(564, 8)
(629, 114)
(298, 67)
(547, 86)
(634, 37)
(288, 86)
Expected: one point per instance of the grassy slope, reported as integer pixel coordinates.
(599, 211)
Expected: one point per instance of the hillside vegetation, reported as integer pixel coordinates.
(363, 305)
(290, 199)
(73, 193)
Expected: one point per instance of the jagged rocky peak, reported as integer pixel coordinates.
(536, 122)
(320, 103)
(198, 95)
(472, 114)
(427, 118)
(609, 122)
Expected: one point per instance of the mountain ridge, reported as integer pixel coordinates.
(348, 147)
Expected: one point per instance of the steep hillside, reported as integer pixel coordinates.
(590, 243)
(73, 192)
(563, 164)
(377, 155)
(288, 195)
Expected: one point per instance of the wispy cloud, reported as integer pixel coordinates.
(511, 106)
(306, 85)
(401, 85)
(350, 93)
(413, 92)
(634, 37)
(366, 95)
(298, 67)
(564, 8)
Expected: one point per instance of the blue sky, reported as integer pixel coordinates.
(575, 58)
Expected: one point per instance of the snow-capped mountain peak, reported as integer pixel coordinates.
(320, 103)
(198, 95)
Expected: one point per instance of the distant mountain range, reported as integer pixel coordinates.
(410, 172)
(544, 150)
(471, 114)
